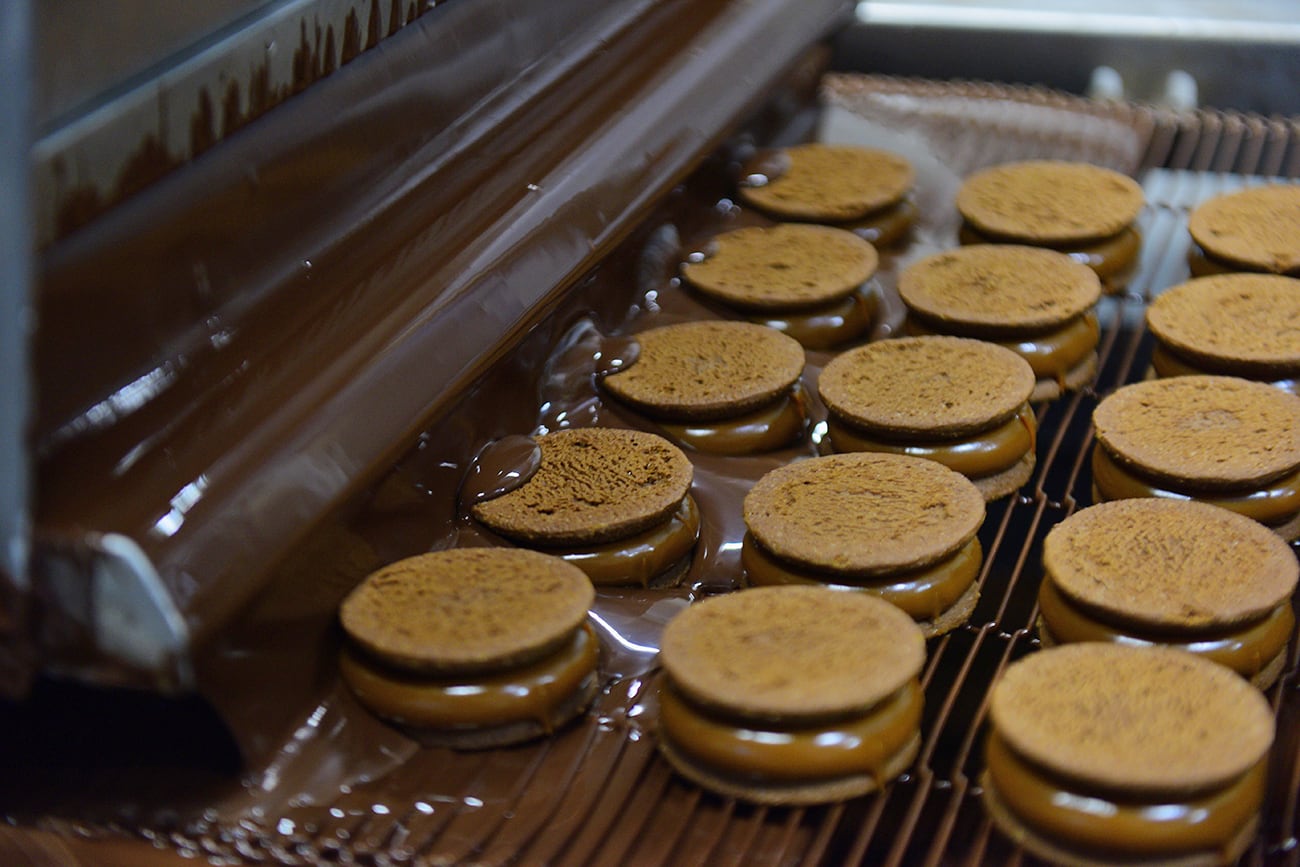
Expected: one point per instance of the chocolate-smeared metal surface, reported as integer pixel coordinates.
(321, 780)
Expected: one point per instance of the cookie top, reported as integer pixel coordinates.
(1243, 318)
(936, 386)
(1212, 431)
(1170, 563)
(708, 370)
(1257, 228)
(1049, 202)
(1137, 719)
(467, 609)
(593, 485)
(826, 182)
(999, 287)
(791, 652)
(788, 266)
(863, 513)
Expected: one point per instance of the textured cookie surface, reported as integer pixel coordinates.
(927, 385)
(467, 609)
(1241, 318)
(1217, 431)
(1048, 201)
(791, 652)
(863, 513)
(1143, 719)
(708, 369)
(1172, 563)
(829, 182)
(786, 266)
(593, 485)
(1000, 286)
(1257, 228)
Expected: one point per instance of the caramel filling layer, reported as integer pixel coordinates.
(983, 454)
(1274, 504)
(886, 226)
(1051, 355)
(1110, 258)
(765, 751)
(923, 593)
(762, 430)
(827, 325)
(1165, 362)
(530, 692)
(1246, 649)
(1104, 823)
(639, 558)
(1202, 264)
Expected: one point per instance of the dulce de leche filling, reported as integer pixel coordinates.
(923, 593)
(886, 226)
(640, 557)
(1052, 354)
(982, 454)
(827, 325)
(1246, 648)
(530, 692)
(1203, 264)
(1166, 362)
(1112, 259)
(1126, 827)
(753, 750)
(763, 430)
(1273, 504)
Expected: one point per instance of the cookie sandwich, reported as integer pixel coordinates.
(790, 695)
(1171, 572)
(723, 387)
(1245, 325)
(1103, 754)
(1036, 303)
(1256, 229)
(813, 283)
(1085, 211)
(615, 503)
(474, 647)
(894, 526)
(961, 402)
(1218, 439)
(865, 190)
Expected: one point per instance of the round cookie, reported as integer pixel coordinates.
(593, 485)
(1115, 728)
(708, 370)
(1176, 572)
(805, 664)
(509, 623)
(832, 183)
(1238, 324)
(1035, 302)
(1049, 202)
(961, 402)
(1256, 229)
(784, 267)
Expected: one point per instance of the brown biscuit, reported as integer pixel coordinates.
(1257, 229)
(863, 513)
(990, 289)
(1138, 720)
(708, 370)
(1212, 432)
(467, 610)
(1232, 321)
(1170, 563)
(593, 485)
(827, 182)
(1049, 202)
(788, 266)
(928, 386)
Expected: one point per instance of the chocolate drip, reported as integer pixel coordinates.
(498, 469)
